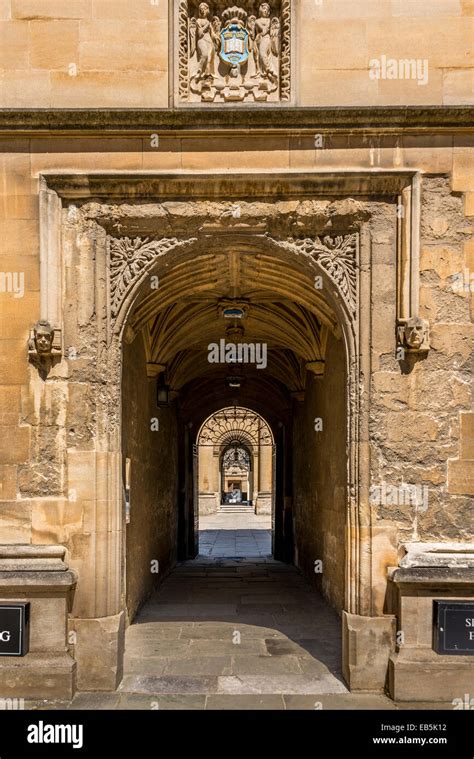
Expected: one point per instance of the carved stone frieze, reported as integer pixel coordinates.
(129, 258)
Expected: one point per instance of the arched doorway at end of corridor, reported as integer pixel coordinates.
(235, 466)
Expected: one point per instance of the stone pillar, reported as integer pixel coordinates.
(40, 575)
(208, 498)
(265, 459)
(255, 476)
(216, 484)
(98, 618)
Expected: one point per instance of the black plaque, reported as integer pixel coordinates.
(453, 629)
(14, 629)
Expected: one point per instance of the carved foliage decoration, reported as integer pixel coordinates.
(234, 52)
(129, 258)
(183, 49)
(337, 256)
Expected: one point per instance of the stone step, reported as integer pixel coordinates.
(243, 684)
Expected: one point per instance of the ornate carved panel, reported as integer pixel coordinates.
(130, 258)
(234, 53)
(337, 256)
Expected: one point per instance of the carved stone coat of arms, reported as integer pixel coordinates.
(234, 53)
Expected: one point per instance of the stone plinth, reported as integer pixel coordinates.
(208, 503)
(434, 571)
(40, 575)
(263, 503)
(99, 651)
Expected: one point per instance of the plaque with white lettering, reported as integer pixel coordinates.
(14, 629)
(453, 629)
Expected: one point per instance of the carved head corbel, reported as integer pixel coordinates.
(413, 334)
(44, 344)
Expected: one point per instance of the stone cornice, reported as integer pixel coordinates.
(182, 185)
(264, 119)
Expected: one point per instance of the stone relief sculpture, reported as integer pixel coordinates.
(337, 256)
(413, 335)
(129, 258)
(234, 53)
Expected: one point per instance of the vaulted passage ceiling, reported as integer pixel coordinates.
(282, 308)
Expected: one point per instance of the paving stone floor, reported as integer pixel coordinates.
(235, 535)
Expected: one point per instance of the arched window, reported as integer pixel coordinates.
(236, 456)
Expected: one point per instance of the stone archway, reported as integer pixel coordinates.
(314, 250)
(230, 430)
(172, 335)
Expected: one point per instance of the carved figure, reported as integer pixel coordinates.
(204, 41)
(266, 43)
(44, 346)
(235, 55)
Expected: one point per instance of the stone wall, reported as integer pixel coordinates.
(151, 534)
(115, 53)
(56, 451)
(54, 55)
(340, 38)
(320, 478)
(420, 406)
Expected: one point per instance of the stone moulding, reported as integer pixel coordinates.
(395, 119)
(183, 54)
(459, 555)
(28, 558)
